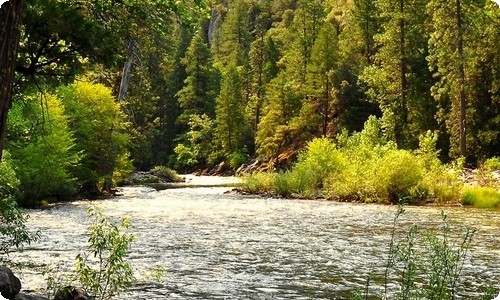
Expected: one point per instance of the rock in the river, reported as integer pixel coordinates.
(23, 296)
(10, 285)
(71, 293)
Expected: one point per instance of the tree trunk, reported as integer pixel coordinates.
(11, 14)
(404, 112)
(461, 74)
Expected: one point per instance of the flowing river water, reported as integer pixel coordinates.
(227, 246)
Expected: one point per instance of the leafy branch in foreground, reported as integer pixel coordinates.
(106, 272)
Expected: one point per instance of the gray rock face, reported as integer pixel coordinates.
(10, 285)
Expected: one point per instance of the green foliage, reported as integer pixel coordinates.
(481, 197)
(237, 158)
(13, 230)
(366, 166)
(197, 97)
(104, 271)
(196, 144)
(320, 161)
(166, 174)
(426, 264)
(99, 132)
(42, 148)
(492, 164)
(259, 182)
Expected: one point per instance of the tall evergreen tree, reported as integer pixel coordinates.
(231, 129)
(324, 60)
(235, 37)
(452, 22)
(197, 97)
(399, 79)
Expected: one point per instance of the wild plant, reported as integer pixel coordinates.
(104, 271)
(425, 264)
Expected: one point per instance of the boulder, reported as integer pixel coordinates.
(23, 296)
(10, 285)
(71, 293)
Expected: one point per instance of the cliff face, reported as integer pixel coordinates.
(216, 19)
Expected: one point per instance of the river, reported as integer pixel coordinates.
(228, 246)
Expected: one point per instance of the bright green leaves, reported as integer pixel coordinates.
(104, 271)
(99, 131)
(13, 230)
(42, 148)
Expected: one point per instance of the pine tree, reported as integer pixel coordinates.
(451, 23)
(197, 97)
(230, 126)
(234, 37)
(398, 81)
(324, 60)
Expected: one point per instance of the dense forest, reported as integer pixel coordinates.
(100, 88)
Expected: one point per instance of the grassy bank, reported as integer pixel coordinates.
(366, 167)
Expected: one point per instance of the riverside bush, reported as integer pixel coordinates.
(166, 173)
(106, 272)
(367, 167)
(258, 182)
(103, 270)
(481, 197)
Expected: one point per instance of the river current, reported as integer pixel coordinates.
(216, 245)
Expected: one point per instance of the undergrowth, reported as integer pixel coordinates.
(365, 167)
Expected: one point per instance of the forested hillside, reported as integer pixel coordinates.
(102, 85)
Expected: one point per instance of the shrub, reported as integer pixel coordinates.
(443, 183)
(42, 148)
(321, 160)
(166, 174)
(282, 183)
(492, 164)
(481, 197)
(426, 264)
(237, 158)
(13, 230)
(105, 273)
(397, 176)
(258, 182)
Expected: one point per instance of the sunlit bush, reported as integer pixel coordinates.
(481, 197)
(366, 167)
(166, 174)
(258, 182)
(99, 127)
(42, 148)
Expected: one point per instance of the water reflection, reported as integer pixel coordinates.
(225, 246)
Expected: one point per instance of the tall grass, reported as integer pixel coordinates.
(482, 197)
(423, 264)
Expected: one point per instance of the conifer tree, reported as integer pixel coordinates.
(449, 59)
(235, 37)
(399, 79)
(324, 60)
(197, 97)
(231, 129)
